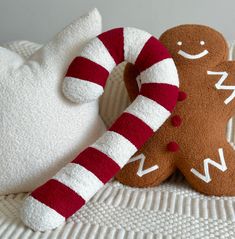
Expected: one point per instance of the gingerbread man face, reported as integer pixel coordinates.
(193, 140)
(195, 45)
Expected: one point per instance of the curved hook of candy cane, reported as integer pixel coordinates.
(49, 205)
(87, 75)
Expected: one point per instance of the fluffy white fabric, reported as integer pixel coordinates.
(134, 41)
(78, 178)
(81, 91)
(98, 53)
(152, 113)
(41, 130)
(115, 146)
(47, 216)
(165, 70)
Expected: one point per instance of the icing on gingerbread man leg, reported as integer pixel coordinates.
(213, 175)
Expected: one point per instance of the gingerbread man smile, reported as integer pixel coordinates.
(192, 56)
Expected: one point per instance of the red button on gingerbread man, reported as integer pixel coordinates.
(194, 138)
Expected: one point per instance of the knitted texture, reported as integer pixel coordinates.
(60, 197)
(172, 210)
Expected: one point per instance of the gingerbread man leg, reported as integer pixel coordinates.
(214, 174)
(150, 166)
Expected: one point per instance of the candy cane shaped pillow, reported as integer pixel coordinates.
(49, 205)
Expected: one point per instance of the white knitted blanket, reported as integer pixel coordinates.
(171, 210)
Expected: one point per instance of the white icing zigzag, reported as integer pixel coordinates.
(141, 172)
(207, 177)
(219, 85)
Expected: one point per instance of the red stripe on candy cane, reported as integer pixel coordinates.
(87, 70)
(132, 128)
(102, 166)
(152, 52)
(58, 197)
(114, 42)
(163, 94)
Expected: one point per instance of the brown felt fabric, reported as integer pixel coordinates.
(204, 116)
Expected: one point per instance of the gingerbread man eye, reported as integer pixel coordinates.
(179, 43)
(202, 43)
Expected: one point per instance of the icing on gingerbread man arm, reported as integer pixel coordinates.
(223, 76)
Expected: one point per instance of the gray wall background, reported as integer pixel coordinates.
(39, 20)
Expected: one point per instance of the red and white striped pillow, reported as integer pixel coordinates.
(49, 205)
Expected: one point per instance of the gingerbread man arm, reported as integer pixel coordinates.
(223, 78)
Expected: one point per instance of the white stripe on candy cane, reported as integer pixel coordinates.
(164, 70)
(115, 146)
(83, 89)
(149, 111)
(79, 179)
(48, 216)
(134, 41)
(98, 53)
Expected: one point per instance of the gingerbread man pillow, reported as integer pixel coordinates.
(193, 139)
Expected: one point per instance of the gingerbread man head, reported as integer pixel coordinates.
(195, 45)
(193, 139)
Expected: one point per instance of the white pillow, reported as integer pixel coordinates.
(41, 130)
